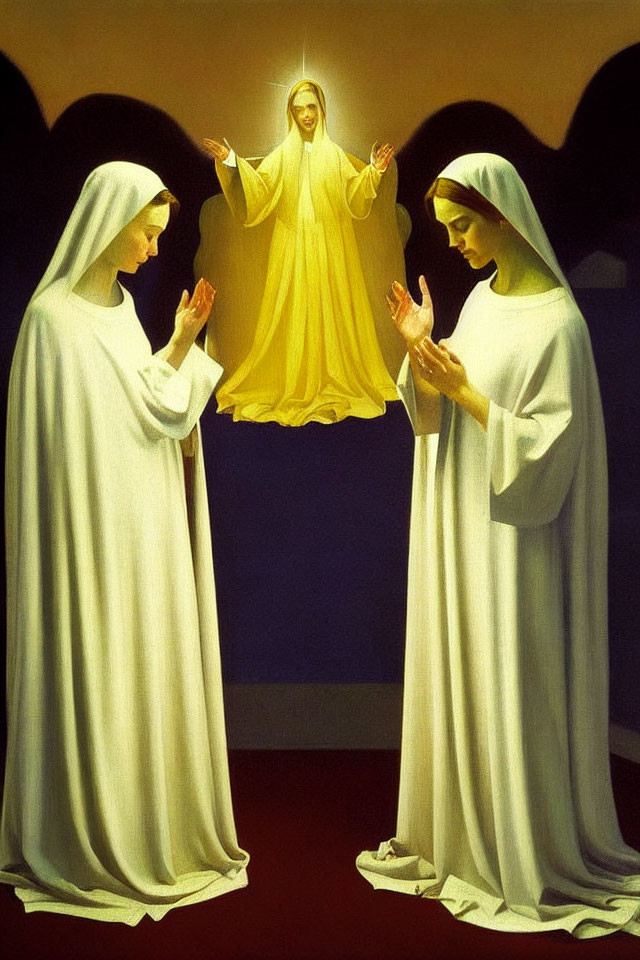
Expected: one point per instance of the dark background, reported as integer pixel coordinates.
(310, 524)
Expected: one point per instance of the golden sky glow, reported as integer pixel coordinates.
(214, 65)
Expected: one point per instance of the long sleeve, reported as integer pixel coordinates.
(98, 353)
(231, 184)
(174, 399)
(533, 449)
(252, 194)
(108, 562)
(423, 409)
(361, 188)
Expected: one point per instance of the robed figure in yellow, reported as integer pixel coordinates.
(314, 353)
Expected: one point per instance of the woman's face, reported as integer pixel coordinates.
(479, 240)
(306, 109)
(139, 239)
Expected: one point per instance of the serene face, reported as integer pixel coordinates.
(306, 110)
(479, 240)
(139, 239)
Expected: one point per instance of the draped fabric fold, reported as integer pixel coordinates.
(116, 802)
(301, 340)
(315, 355)
(506, 812)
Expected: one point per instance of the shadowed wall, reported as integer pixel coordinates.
(310, 526)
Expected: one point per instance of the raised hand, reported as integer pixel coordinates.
(414, 322)
(215, 149)
(193, 312)
(191, 316)
(381, 155)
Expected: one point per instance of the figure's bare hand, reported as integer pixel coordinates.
(440, 367)
(193, 312)
(414, 322)
(215, 149)
(381, 155)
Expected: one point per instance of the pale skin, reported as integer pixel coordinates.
(519, 272)
(306, 111)
(133, 246)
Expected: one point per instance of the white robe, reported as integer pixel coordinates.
(117, 800)
(506, 811)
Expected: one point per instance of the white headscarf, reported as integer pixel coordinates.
(500, 183)
(112, 195)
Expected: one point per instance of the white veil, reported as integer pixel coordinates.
(112, 195)
(500, 183)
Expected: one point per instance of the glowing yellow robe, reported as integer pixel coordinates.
(315, 353)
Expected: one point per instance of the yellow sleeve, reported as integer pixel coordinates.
(361, 188)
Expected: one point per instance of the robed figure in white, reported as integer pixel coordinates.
(506, 812)
(295, 327)
(116, 801)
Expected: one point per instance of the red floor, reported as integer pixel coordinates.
(304, 816)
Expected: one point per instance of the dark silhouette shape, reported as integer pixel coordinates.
(588, 195)
(599, 163)
(24, 179)
(296, 518)
(456, 129)
(104, 127)
(587, 192)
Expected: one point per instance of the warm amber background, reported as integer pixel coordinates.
(385, 65)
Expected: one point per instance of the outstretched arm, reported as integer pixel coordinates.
(381, 155)
(362, 187)
(219, 151)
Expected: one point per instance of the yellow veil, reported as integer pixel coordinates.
(235, 259)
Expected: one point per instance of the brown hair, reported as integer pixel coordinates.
(465, 196)
(165, 196)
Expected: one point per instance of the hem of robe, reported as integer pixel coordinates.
(414, 876)
(290, 415)
(115, 908)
